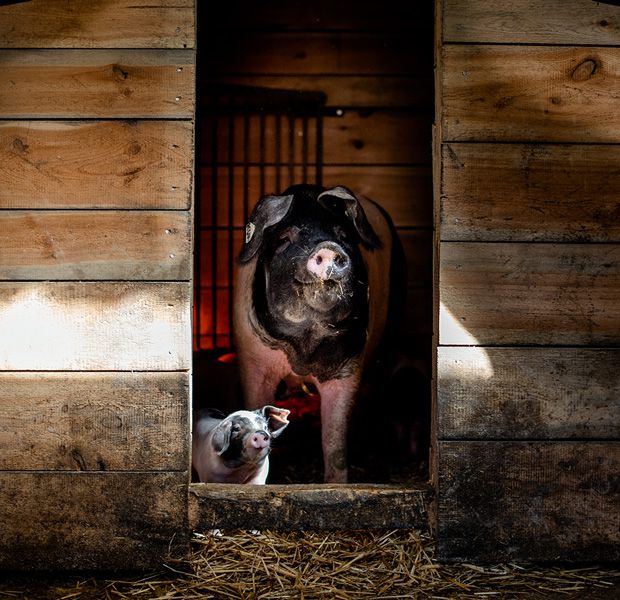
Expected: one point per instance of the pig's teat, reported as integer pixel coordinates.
(328, 261)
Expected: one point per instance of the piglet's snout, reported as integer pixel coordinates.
(329, 261)
(260, 440)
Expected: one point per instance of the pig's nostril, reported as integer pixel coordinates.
(319, 259)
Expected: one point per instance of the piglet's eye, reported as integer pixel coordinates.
(236, 428)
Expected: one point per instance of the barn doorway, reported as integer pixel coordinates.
(289, 93)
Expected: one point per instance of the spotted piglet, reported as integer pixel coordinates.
(235, 449)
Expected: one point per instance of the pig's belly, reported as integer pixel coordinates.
(264, 369)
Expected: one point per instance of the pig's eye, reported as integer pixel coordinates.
(286, 239)
(341, 234)
(283, 243)
(236, 428)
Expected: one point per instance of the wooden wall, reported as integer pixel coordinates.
(96, 148)
(528, 213)
(374, 61)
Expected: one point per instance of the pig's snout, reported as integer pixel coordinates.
(260, 440)
(329, 261)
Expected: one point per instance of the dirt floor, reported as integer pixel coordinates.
(341, 565)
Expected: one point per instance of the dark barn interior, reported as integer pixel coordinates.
(335, 94)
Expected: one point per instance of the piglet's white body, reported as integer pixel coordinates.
(235, 449)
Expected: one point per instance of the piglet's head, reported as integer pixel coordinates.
(245, 436)
(309, 265)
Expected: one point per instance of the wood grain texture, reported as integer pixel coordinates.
(92, 521)
(102, 24)
(530, 93)
(97, 83)
(94, 421)
(404, 191)
(88, 326)
(126, 245)
(294, 507)
(502, 501)
(105, 164)
(378, 138)
(315, 54)
(530, 192)
(411, 92)
(529, 294)
(535, 393)
(531, 21)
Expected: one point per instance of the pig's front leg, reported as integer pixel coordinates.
(261, 370)
(337, 398)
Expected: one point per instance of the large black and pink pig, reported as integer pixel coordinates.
(315, 289)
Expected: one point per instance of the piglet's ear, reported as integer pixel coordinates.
(268, 211)
(342, 201)
(221, 437)
(277, 419)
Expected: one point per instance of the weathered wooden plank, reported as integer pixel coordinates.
(530, 192)
(531, 21)
(95, 326)
(404, 191)
(126, 245)
(535, 393)
(103, 24)
(106, 164)
(503, 501)
(94, 421)
(394, 138)
(274, 15)
(379, 91)
(92, 521)
(529, 294)
(315, 54)
(97, 83)
(530, 93)
(293, 507)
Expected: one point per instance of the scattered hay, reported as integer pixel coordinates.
(340, 565)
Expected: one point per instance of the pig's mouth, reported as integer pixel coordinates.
(324, 295)
(320, 296)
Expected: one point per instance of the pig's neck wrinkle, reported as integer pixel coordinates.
(326, 353)
(316, 346)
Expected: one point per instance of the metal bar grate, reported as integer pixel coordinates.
(255, 141)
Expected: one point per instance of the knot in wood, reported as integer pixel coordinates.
(584, 70)
(119, 72)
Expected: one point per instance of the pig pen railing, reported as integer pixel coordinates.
(251, 142)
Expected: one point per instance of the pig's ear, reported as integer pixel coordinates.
(342, 201)
(268, 211)
(221, 438)
(277, 419)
